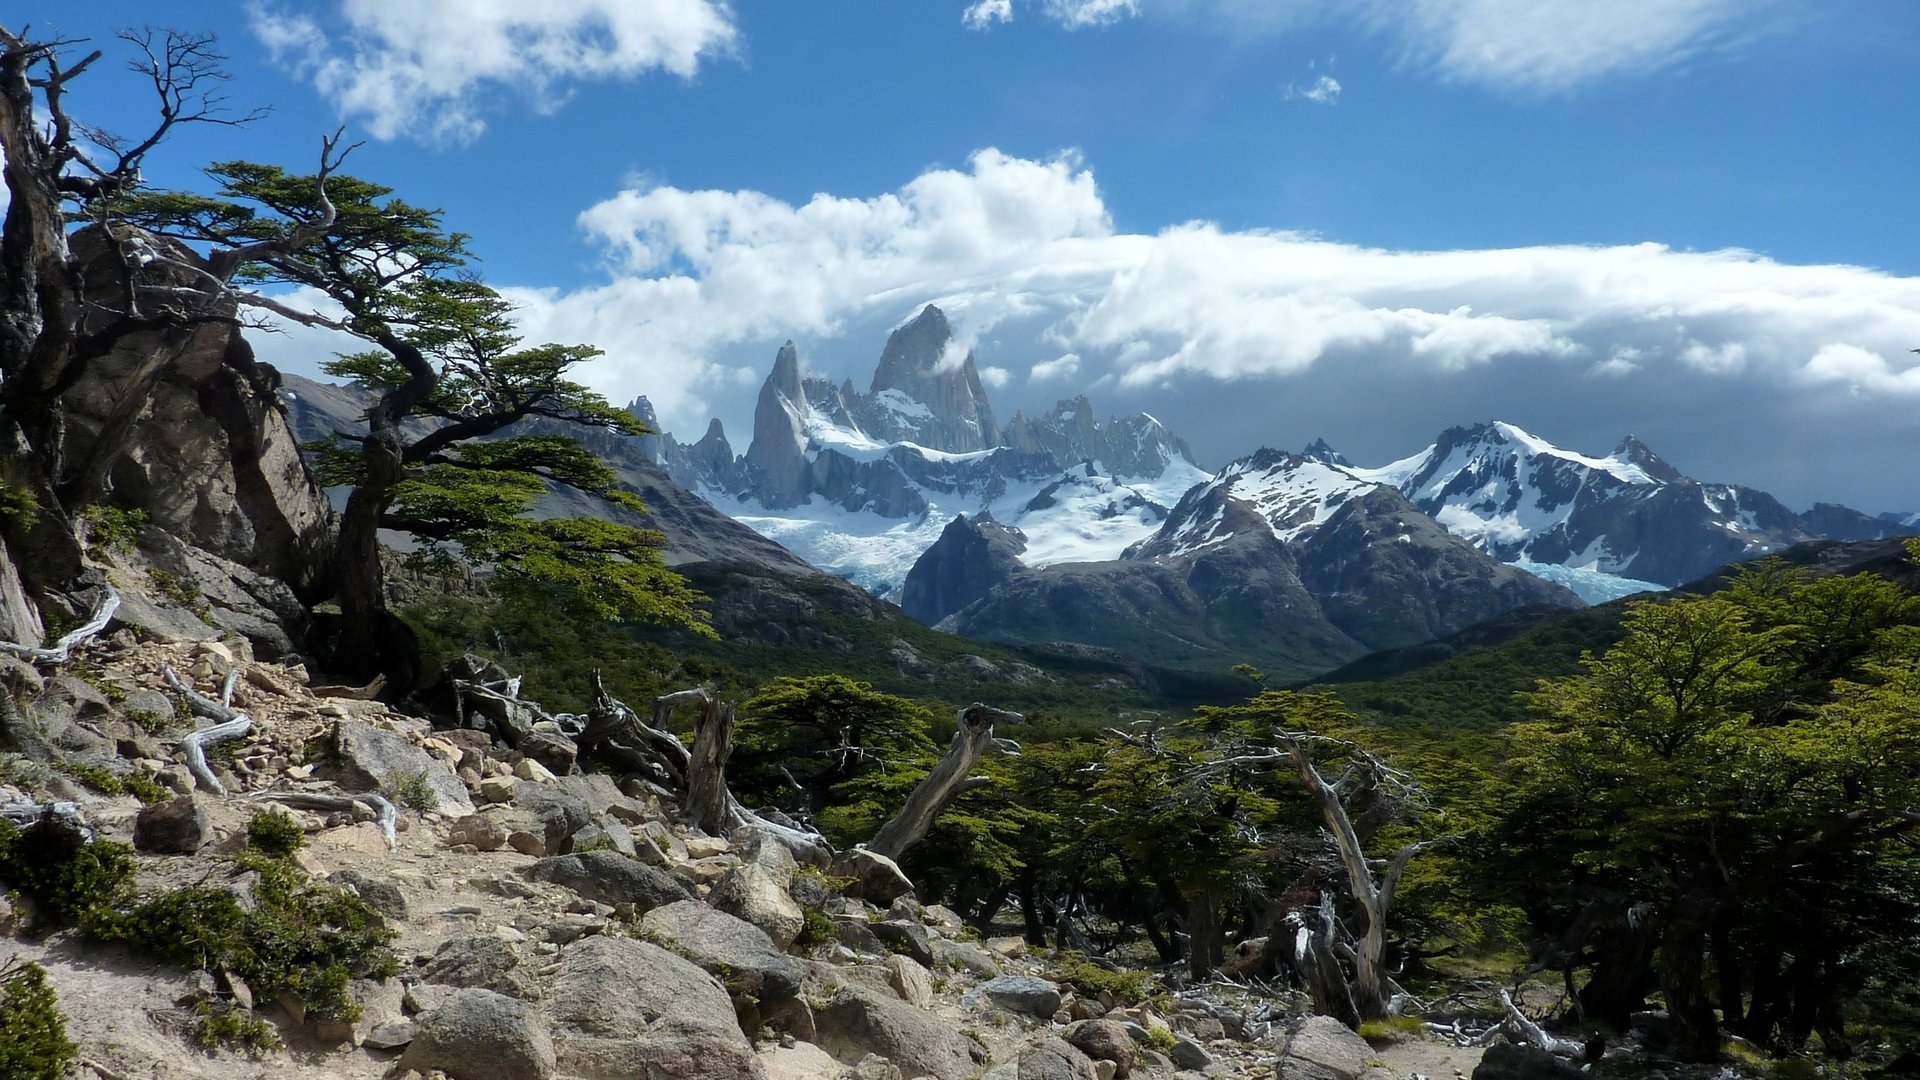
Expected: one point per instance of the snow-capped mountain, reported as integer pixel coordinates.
(1629, 514)
(862, 484)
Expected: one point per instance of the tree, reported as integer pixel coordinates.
(1720, 807)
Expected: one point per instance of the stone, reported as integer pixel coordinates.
(1104, 1040)
(487, 963)
(533, 772)
(874, 877)
(498, 789)
(1512, 1061)
(856, 1022)
(1323, 1048)
(737, 951)
(1187, 1054)
(1052, 1059)
(179, 826)
(905, 937)
(554, 752)
(374, 759)
(912, 982)
(967, 956)
(481, 1035)
(856, 933)
(484, 832)
(756, 890)
(598, 837)
(391, 1035)
(627, 1008)
(559, 813)
(610, 878)
(382, 896)
(1024, 994)
(705, 847)
(527, 842)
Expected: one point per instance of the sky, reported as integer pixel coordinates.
(1263, 221)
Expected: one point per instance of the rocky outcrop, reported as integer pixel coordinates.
(625, 1008)
(964, 565)
(776, 461)
(1137, 445)
(926, 392)
(481, 1035)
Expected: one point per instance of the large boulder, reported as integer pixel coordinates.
(486, 963)
(559, 811)
(757, 890)
(369, 758)
(906, 938)
(857, 1021)
(481, 1035)
(1512, 1061)
(611, 878)
(872, 877)
(736, 950)
(1323, 1048)
(1104, 1040)
(175, 827)
(1022, 994)
(1052, 1059)
(626, 1008)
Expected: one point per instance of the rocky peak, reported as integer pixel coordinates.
(777, 455)
(1320, 450)
(1635, 452)
(921, 395)
(966, 563)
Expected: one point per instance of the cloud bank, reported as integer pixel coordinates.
(430, 69)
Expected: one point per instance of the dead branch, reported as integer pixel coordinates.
(1520, 1026)
(948, 780)
(62, 650)
(384, 812)
(229, 725)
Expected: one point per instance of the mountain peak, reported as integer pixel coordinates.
(1322, 451)
(1635, 452)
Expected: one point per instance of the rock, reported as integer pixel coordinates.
(801, 1061)
(556, 753)
(874, 878)
(178, 826)
(560, 813)
(382, 896)
(390, 1035)
(610, 878)
(705, 847)
(1022, 994)
(857, 933)
(1187, 1054)
(965, 956)
(1511, 1061)
(485, 832)
(912, 982)
(740, 953)
(1052, 1059)
(498, 789)
(627, 1008)
(533, 772)
(1104, 1040)
(857, 1022)
(479, 962)
(1323, 1048)
(905, 937)
(527, 842)
(373, 759)
(605, 835)
(481, 1035)
(756, 890)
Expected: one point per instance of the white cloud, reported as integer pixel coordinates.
(984, 13)
(1029, 245)
(1324, 90)
(995, 377)
(1538, 45)
(428, 69)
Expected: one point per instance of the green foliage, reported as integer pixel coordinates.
(64, 878)
(33, 1034)
(149, 721)
(217, 1025)
(17, 504)
(412, 790)
(817, 929)
(181, 591)
(848, 747)
(110, 530)
(275, 834)
(137, 784)
(1092, 980)
(1392, 1029)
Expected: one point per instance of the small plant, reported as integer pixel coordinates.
(23, 772)
(149, 721)
(817, 928)
(65, 877)
(1392, 1029)
(274, 834)
(1161, 1039)
(33, 1034)
(139, 785)
(412, 790)
(111, 530)
(18, 504)
(180, 591)
(218, 1025)
(1093, 980)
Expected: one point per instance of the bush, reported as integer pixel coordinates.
(217, 1025)
(411, 790)
(33, 1034)
(1093, 980)
(817, 930)
(1392, 1029)
(64, 877)
(111, 530)
(141, 786)
(274, 834)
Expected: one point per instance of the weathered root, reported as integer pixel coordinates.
(66, 815)
(1520, 1027)
(229, 725)
(61, 651)
(383, 808)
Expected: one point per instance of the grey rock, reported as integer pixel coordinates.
(1323, 1048)
(875, 878)
(390, 1035)
(176, 827)
(481, 1035)
(756, 890)
(486, 832)
(968, 956)
(381, 895)
(486, 963)
(373, 759)
(627, 1008)
(1511, 1061)
(857, 1022)
(856, 933)
(1020, 994)
(560, 812)
(738, 951)
(912, 982)
(1187, 1054)
(909, 938)
(556, 752)
(1104, 1040)
(1052, 1059)
(611, 878)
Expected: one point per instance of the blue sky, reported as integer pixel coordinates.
(1263, 220)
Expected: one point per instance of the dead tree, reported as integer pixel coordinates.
(949, 779)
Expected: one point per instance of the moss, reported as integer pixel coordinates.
(1093, 980)
(274, 834)
(221, 1025)
(140, 785)
(33, 1034)
(181, 591)
(1161, 1039)
(1392, 1029)
(817, 928)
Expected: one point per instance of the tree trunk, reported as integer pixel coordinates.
(1206, 940)
(1683, 947)
(357, 573)
(708, 798)
(1036, 932)
(1326, 982)
(947, 781)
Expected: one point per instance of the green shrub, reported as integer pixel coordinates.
(218, 1025)
(274, 834)
(1093, 980)
(147, 720)
(64, 878)
(141, 786)
(817, 930)
(1392, 1029)
(111, 530)
(411, 790)
(181, 591)
(33, 1034)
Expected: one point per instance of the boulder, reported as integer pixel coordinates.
(967, 956)
(484, 832)
(1323, 1048)
(486, 963)
(737, 951)
(626, 1008)
(611, 878)
(873, 877)
(1104, 1040)
(857, 1022)
(481, 1035)
(1512, 1061)
(912, 982)
(1187, 1054)
(756, 890)
(380, 894)
(560, 813)
(1052, 1059)
(176, 827)
(1024, 994)
(373, 759)
(905, 937)
(554, 751)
